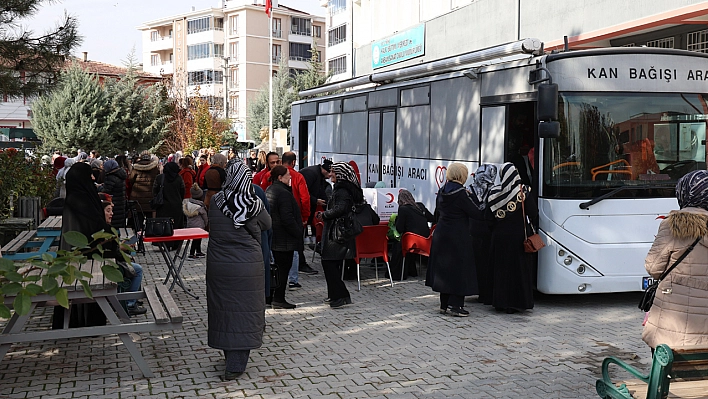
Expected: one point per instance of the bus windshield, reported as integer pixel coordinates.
(611, 140)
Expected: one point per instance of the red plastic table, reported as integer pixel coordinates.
(184, 236)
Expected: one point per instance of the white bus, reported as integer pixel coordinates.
(632, 121)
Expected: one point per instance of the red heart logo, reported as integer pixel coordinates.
(440, 172)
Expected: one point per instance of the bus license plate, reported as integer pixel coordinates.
(646, 282)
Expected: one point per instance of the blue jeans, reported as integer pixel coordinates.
(292, 276)
(135, 283)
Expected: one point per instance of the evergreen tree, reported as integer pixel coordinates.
(283, 96)
(76, 114)
(38, 59)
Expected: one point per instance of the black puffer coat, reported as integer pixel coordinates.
(114, 185)
(173, 193)
(235, 283)
(287, 226)
(343, 198)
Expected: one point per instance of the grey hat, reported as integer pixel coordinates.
(196, 192)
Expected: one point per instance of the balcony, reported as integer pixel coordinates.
(301, 32)
(161, 43)
(276, 59)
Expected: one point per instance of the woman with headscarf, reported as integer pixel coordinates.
(508, 199)
(345, 195)
(234, 269)
(214, 177)
(58, 164)
(114, 185)
(451, 267)
(61, 178)
(481, 232)
(412, 217)
(83, 213)
(679, 315)
(172, 194)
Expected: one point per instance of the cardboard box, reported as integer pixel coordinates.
(384, 201)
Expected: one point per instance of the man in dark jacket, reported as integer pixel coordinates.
(114, 185)
(316, 179)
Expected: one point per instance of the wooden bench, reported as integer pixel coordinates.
(18, 243)
(675, 373)
(164, 309)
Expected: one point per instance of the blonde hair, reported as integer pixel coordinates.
(457, 172)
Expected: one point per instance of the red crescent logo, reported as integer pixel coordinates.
(390, 198)
(440, 172)
(662, 217)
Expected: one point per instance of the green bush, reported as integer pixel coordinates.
(23, 177)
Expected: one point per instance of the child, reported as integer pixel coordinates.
(196, 217)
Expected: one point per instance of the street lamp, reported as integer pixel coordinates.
(226, 87)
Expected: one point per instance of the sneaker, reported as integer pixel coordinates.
(282, 305)
(192, 257)
(306, 269)
(327, 300)
(294, 286)
(442, 311)
(136, 310)
(341, 302)
(200, 255)
(458, 312)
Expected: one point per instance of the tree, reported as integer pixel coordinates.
(283, 96)
(314, 75)
(76, 114)
(206, 131)
(37, 59)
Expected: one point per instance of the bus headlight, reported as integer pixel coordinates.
(581, 269)
(582, 287)
(568, 261)
(561, 253)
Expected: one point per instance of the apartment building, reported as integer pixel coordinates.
(223, 53)
(359, 30)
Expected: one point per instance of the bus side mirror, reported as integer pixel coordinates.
(547, 107)
(549, 130)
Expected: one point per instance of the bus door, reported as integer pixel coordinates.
(306, 141)
(381, 162)
(520, 140)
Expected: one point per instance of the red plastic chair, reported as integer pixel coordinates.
(319, 227)
(412, 243)
(371, 244)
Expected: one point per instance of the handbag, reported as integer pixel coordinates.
(159, 199)
(346, 228)
(649, 294)
(274, 279)
(159, 227)
(534, 242)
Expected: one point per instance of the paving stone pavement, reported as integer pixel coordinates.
(391, 343)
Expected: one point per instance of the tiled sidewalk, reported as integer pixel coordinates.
(391, 343)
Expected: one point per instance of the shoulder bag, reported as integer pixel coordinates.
(159, 199)
(534, 242)
(649, 294)
(346, 227)
(159, 227)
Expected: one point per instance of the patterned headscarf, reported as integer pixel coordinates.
(405, 198)
(506, 189)
(692, 190)
(238, 199)
(344, 171)
(482, 183)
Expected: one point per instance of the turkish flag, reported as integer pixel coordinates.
(268, 7)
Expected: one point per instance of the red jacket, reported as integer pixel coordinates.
(201, 171)
(188, 175)
(300, 192)
(262, 178)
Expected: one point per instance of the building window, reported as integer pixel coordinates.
(337, 65)
(204, 77)
(277, 27)
(154, 36)
(698, 41)
(317, 31)
(219, 24)
(301, 26)
(234, 78)
(277, 53)
(172, 57)
(337, 35)
(233, 107)
(204, 50)
(233, 52)
(300, 52)
(667, 42)
(233, 25)
(336, 6)
(154, 60)
(199, 25)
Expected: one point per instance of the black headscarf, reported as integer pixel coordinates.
(171, 171)
(83, 211)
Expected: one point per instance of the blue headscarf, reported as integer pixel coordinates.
(692, 190)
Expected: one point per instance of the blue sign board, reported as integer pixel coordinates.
(399, 47)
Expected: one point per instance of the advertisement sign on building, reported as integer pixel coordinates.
(400, 47)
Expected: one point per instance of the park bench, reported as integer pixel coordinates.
(680, 372)
(18, 243)
(167, 315)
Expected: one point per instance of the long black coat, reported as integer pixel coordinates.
(512, 267)
(173, 193)
(316, 185)
(287, 225)
(114, 185)
(451, 268)
(235, 284)
(414, 219)
(339, 205)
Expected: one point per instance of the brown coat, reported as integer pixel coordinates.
(679, 315)
(142, 179)
(213, 182)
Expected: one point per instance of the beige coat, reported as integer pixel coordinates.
(679, 315)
